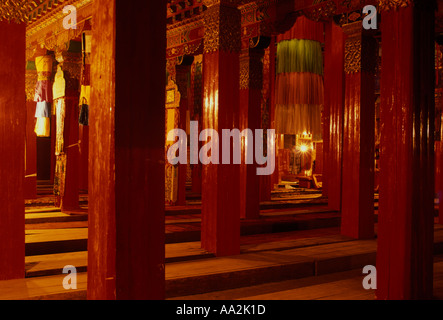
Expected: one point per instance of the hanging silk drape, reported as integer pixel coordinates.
(299, 56)
(43, 96)
(299, 81)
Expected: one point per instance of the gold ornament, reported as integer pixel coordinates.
(16, 10)
(386, 5)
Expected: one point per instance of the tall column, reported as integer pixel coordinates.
(53, 145)
(182, 75)
(127, 151)
(438, 129)
(272, 72)
(439, 158)
(220, 192)
(12, 150)
(196, 115)
(357, 219)
(84, 157)
(251, 83)
(266, 183)
(334, 80)
(406, 213)
(68, 130)
(30, 188)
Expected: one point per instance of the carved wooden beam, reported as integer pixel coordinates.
(16, 10)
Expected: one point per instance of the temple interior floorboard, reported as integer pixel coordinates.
(346, 285)
(294, 252)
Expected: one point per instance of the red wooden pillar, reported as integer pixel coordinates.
(438, 131)
(272, 74)
(30, 188)
(439, 178)
(251, 82)
(438, 153)
(405, 225)
(439, 172)
(357, 219)
(69, 62)
(220, 192)
(334, 105)
(127, 132)
(84, 156)
(182, 74)
(266, 182)
(196, 115)
(12, 150)
(53, 143)
(326, 109)
(70, 198)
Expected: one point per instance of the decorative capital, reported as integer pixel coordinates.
(210, 3)
(360, 54)
(222, 29)
(244, 71)
(353, 55)
(386, 5)
(251, 69)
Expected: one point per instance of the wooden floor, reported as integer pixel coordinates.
(336, 286)
(294, 251)
(324, 266)
(345, 285)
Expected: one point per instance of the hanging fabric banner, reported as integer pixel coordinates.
(299, 81)
(43, 96)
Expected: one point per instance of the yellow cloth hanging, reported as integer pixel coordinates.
(43, 127)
